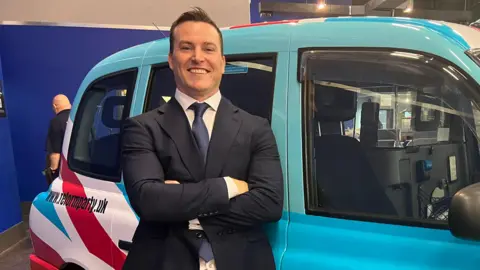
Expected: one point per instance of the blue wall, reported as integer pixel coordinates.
(9, 198)
(38, 63)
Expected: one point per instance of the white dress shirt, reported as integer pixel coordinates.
(209, 119)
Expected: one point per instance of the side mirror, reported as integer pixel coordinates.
(464, 213)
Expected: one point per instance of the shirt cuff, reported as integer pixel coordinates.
(231, 187)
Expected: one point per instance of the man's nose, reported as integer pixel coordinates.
(198, 55)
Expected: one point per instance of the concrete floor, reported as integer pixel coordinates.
(16, 258)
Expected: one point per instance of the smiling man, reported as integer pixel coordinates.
(202, 174)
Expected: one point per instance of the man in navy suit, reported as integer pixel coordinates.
(202, 174)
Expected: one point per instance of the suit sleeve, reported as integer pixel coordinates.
(264, 201)
(150, 197)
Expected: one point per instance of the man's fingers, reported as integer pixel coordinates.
(242, 186)
(171, 182)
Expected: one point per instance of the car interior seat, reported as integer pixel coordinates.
(344, 176)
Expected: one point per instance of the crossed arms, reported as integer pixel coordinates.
(155, 198)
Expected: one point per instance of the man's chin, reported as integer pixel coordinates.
(201, 88)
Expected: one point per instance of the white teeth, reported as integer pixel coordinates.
(198, 70)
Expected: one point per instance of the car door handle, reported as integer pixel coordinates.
(125, 245)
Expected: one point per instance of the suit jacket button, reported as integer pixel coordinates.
(199, 235)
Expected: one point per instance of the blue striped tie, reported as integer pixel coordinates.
(200, 133)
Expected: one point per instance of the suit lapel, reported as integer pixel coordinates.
(225, 129)
(175, 123)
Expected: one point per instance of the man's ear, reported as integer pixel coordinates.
(170, 60)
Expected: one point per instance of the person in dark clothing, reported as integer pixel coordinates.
(53, 146)
(203, 175)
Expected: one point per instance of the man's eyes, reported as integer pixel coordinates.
(207, 49)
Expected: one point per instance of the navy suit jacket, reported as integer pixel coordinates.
(158, 146)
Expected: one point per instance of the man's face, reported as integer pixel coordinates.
(197, 60)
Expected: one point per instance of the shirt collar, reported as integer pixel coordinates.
(63, 111)
(186, 101)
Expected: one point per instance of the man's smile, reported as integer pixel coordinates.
(198, 70)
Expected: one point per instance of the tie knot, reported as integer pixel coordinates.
(199, 108)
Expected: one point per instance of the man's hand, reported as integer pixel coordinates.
(242, 186)
(54, 159)
(171, 182)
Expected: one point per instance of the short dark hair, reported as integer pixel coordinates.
(195, 15)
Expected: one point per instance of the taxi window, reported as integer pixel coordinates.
(391, 137)
(95, 143)
(248, 83)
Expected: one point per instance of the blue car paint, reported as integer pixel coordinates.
(429, 25)
(328, 243)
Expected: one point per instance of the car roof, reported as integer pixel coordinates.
(462, 35)
(448, 40)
